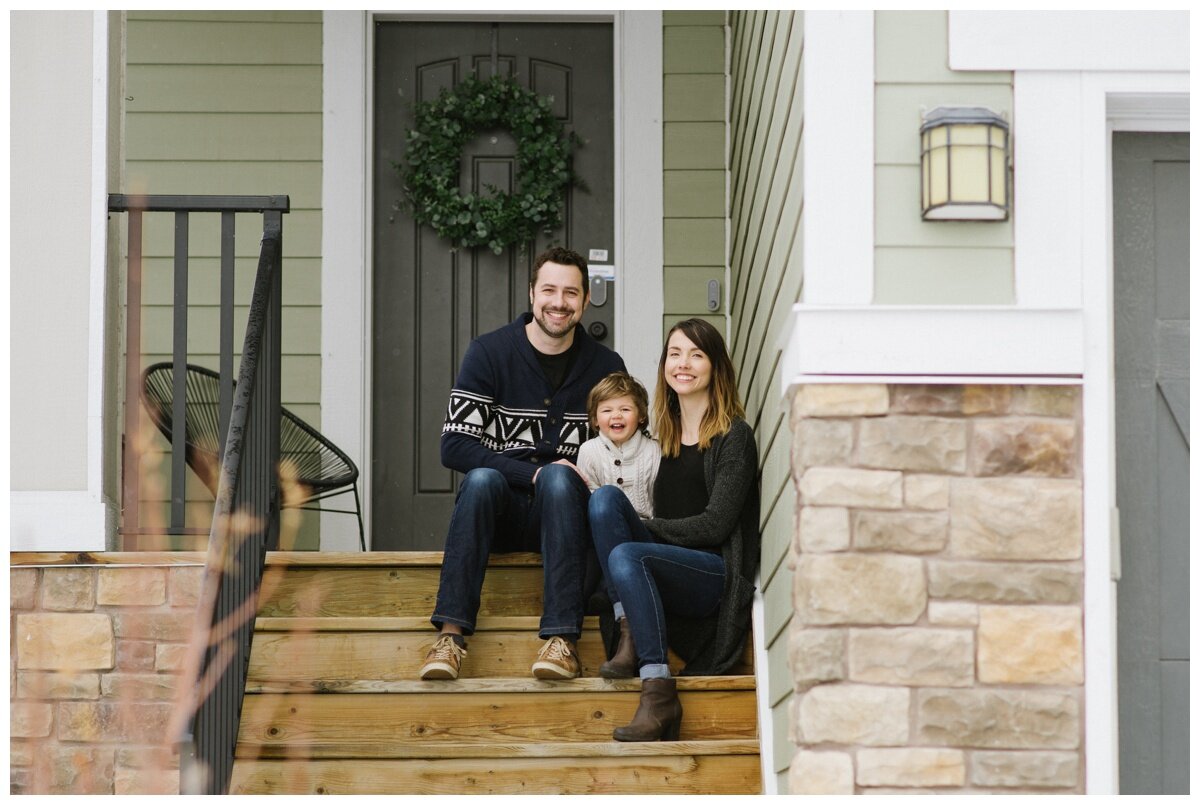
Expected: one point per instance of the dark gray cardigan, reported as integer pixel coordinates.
(712, 645)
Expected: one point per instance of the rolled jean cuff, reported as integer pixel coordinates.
(572, 633)
(655, 671)
(467, 626)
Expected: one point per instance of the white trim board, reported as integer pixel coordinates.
(346, 221)
(931, 340)
(60, 521)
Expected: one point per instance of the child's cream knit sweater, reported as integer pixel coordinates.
(632, 466)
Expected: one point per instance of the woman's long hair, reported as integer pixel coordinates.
(724, 405)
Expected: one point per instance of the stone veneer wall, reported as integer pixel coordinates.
(94, 669)
(937, 643)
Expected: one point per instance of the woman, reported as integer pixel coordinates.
(685, 576)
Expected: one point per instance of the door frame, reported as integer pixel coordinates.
(347, 198)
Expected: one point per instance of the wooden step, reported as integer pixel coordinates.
(388, 559)
(508, 749)
(490, 685)
(682, 774)
(387, 591)
(345, 649)
(298, 719)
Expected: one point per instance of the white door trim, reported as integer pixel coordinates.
(348, 58)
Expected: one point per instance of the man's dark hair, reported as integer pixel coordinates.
(564, 257)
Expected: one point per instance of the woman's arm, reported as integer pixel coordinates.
(736, 470)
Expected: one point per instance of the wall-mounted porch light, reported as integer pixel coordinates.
(964, 165)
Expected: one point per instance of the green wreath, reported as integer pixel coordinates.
(432, 156)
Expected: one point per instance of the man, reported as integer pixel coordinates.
(516, 419)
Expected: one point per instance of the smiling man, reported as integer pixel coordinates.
(516, 419)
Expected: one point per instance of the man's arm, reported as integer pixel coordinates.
(471, 410)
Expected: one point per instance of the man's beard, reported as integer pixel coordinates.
(541, 322)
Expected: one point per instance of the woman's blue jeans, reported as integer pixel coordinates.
(650, 578)
(490, 516)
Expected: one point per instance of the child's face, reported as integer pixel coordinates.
(617, 418)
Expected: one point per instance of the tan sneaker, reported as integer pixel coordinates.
(556, 660)
(443, 659)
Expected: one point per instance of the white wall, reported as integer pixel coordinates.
(58, 171)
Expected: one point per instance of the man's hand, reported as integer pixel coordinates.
(560, 461)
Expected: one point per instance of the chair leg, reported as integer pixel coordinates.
(362, 538)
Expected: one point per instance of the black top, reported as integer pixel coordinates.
(679, 489)
(557, 367)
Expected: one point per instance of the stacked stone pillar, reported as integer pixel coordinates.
(937, 643)
(95, 665)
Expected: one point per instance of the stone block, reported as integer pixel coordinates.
(1025, 769)
(184, 584)
(113, 722)
(69, 589)
(1006, 582)
(42, 685)
(30, 719)
(821, 443)
(926, 399)
(168, 626)
(20, 781)
(1035, 645)
(998, 718)
(1015, 446)
(821, 773)
(911, 767)
(816, 655)
(22, 587)
(132, 586)
(140, 687)
(836, 486)
(64, 641)
(1016, 518)
(953, 613)
(919, 443)
(901, 532)
(986, 400)
(917, 656)
(135, 655)
(855, 714)
(146, 757)
(824, 529)
(840, 399)
(147, 781)
(834, 589)
(82, 770)
(927, 492)
(1059, 401)
(169, 656)
(20, 753)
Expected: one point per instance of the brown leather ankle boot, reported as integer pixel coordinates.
(658, 714)
(623, 664)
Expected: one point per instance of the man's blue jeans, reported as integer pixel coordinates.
(490, 516)
(649, 578)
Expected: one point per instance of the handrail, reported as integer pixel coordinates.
(245, 522)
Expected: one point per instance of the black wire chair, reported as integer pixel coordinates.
(320, 468)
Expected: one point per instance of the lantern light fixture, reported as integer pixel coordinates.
(965, 165)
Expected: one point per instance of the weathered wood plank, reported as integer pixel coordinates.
(574, 749)
(425, 718)
(400, 624)
(35, 558)
(412, 591)
(388, 559)
(661, 775)
(585, 685)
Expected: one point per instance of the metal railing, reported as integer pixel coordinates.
(245, 521)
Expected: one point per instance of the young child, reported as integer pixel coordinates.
(622, 455)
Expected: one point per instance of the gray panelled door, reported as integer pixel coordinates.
(429, 302)
(1150, 233)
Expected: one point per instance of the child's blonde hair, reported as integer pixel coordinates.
(619, 384)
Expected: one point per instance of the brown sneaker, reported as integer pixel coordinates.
(556, 660)
(443, 659)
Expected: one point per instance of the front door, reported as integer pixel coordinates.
(429, 301)
(1150, 258)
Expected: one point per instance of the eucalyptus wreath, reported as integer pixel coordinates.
(432, 155)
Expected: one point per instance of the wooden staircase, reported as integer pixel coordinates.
(334, 705)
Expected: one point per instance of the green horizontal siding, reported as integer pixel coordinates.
(694, 146)
(694, 194)
(685, 288)
(229, 103)
(694, 49)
